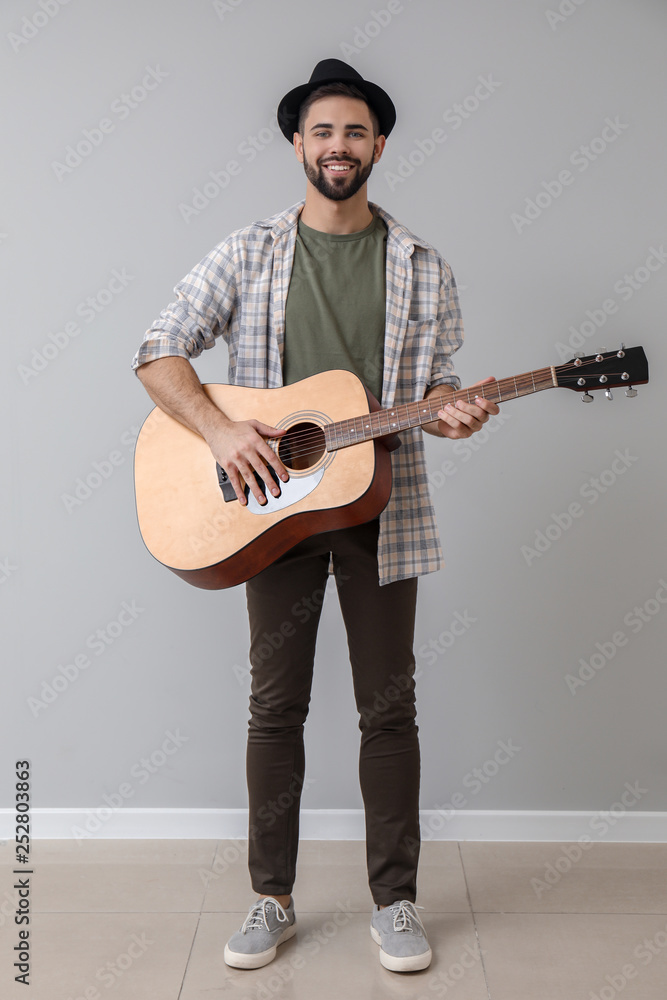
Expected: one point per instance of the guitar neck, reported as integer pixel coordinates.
(344, 433)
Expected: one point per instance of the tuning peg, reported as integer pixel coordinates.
(630, 392)
(608, 394)
(587, 398)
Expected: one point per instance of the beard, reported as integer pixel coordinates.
(335, 188)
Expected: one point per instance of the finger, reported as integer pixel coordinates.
(483, 381)
(262, 470)
(453, 419)
(466, 413)
(235, 480)
(263, 449)
(488, 406)
(266, 430)
(248, 474)
(480, 409)
(273, 459)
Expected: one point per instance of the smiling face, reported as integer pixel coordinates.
(337, 148)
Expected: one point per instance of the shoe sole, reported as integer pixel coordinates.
(407, 963)
(240, 960)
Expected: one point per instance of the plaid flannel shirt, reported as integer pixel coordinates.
(239, 291)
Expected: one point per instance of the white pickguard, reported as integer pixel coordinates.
(295, 489)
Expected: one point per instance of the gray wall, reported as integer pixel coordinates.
(178, 665)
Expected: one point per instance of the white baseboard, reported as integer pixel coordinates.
(341, 824)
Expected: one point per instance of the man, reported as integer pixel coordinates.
(334, 282)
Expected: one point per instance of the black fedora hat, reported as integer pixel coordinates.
(335, 71)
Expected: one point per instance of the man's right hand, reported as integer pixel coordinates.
(240, 447)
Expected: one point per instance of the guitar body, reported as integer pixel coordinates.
(336, 449)
(213, 543)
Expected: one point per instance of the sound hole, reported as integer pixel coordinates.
(302, 446)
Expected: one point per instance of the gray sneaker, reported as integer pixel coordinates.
(267, 925)
(401, 936)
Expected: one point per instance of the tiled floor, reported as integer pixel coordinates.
(506, 921)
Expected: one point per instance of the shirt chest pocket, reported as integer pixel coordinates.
(417, 354)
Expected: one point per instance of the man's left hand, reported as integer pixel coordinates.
(461, 419)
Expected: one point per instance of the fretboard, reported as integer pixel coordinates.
(344, 433)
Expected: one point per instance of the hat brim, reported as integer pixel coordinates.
(379, 100)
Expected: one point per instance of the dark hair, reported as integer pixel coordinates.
(337, 89)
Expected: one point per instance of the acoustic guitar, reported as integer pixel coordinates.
(339, 465)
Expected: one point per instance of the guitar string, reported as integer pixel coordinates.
(306, 442)
(311, 439)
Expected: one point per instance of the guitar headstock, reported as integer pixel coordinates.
(626, 367)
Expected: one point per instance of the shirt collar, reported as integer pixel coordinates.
(401, 239)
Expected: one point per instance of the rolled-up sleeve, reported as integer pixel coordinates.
(450, 331)
(205, 301)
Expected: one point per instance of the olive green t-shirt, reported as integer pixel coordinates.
(335, 311)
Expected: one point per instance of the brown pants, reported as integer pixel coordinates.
(284, 605)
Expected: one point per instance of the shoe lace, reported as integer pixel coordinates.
(257, 915)
(405, 915)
